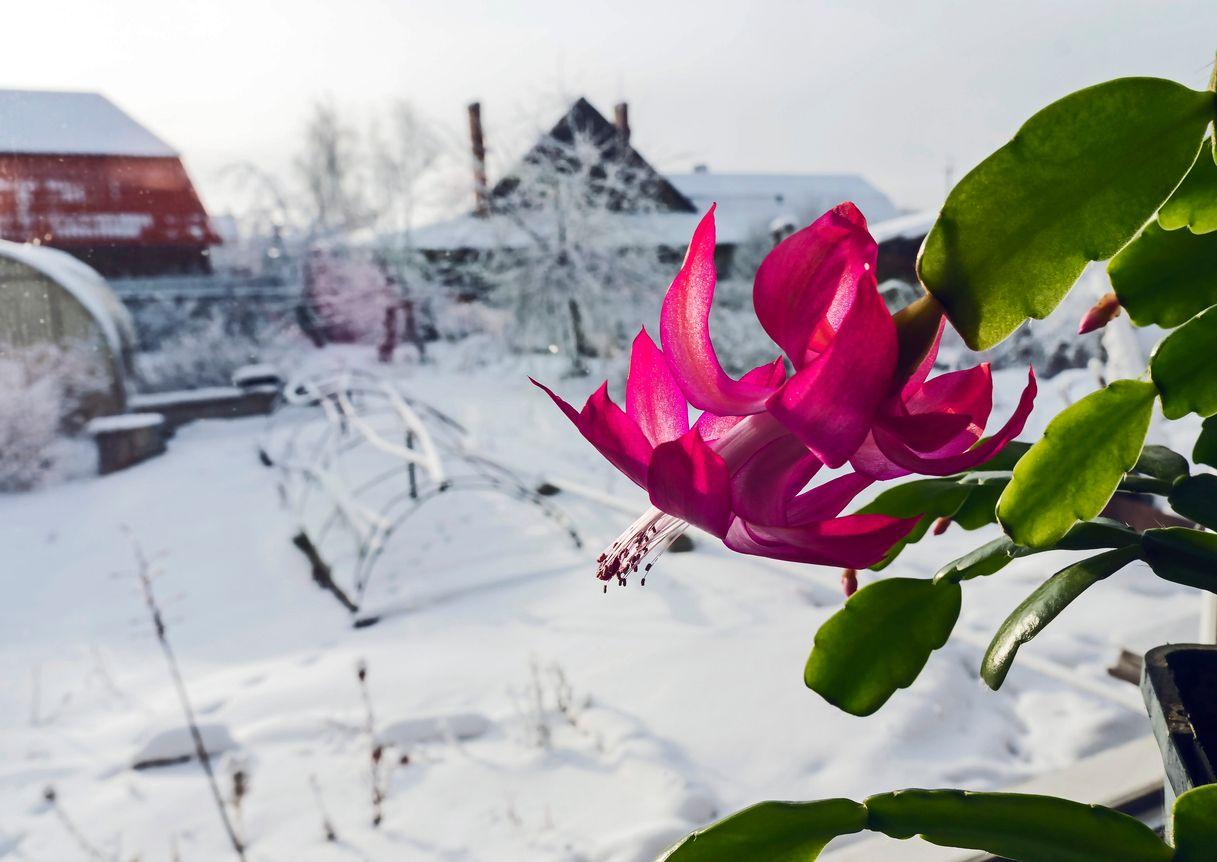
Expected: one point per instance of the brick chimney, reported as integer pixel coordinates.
(481, 195)
(621, 119)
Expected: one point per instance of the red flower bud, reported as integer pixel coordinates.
(1103, 312)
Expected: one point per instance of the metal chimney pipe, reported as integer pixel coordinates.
(621, 114)
(481, 197)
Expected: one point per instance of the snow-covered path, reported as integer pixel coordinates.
(543, 720)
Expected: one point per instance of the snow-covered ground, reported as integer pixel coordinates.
(542, 719)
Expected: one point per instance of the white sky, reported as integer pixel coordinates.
(892, 89)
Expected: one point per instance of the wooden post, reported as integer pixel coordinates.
(481, 201)
(384, 353)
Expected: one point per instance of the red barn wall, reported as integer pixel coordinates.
(123, 215)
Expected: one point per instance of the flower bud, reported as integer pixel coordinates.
(849, 581)
(1103, 312)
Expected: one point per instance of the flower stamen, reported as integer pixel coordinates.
(639, 547)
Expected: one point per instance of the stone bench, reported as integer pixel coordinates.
(127, 439)
(216, 402)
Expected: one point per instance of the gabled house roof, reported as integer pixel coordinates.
(50, 122)
(583, 122)
(748, 203)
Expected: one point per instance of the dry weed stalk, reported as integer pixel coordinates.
(376, 748)
(144, 573)
(89, 849)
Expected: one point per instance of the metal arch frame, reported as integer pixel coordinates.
(341, 415)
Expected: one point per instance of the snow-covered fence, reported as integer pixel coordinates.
(357, 458)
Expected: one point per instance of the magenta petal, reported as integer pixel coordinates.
(652, 397)
(828, 500)
(932, 432)
(571, 413)
(895, 450)
(611, 431)
(764, 485)
(946, 415)
(690, 480)
(771, 375)
(923, 369)
(831, 402)
(968, 392)
(869, 460)
(684, 328)
(853, 541)
(801, 284)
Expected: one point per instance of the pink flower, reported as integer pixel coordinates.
(740, 471)
(932, 427)
(737, 477)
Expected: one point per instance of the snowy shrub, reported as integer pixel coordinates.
(43, 390)
(349, 295)
(548, 703)
(456, 320)
(205, 350)
(204, 354)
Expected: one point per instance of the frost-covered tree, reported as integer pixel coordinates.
(333, 171)
(404, 148)
(267, 221)
(361, 191)
(580, 242)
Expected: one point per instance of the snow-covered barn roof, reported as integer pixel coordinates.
(50, 122)
(84, 284)
(750, 203)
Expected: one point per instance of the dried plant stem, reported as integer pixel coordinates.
(240, 789)
(376, 750)
(326, 823)
(69, 826)
(200, 748)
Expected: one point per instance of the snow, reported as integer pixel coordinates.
(440, 728)
(909, 226)
(84, 284)
(542, 719)
(124, 422)
(159, 400)
(747, 202)
(176, 745)
(747, 205)
(257, 374)
(50, 122)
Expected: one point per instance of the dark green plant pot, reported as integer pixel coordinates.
(1179, 683)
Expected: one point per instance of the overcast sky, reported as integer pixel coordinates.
(895, 90)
